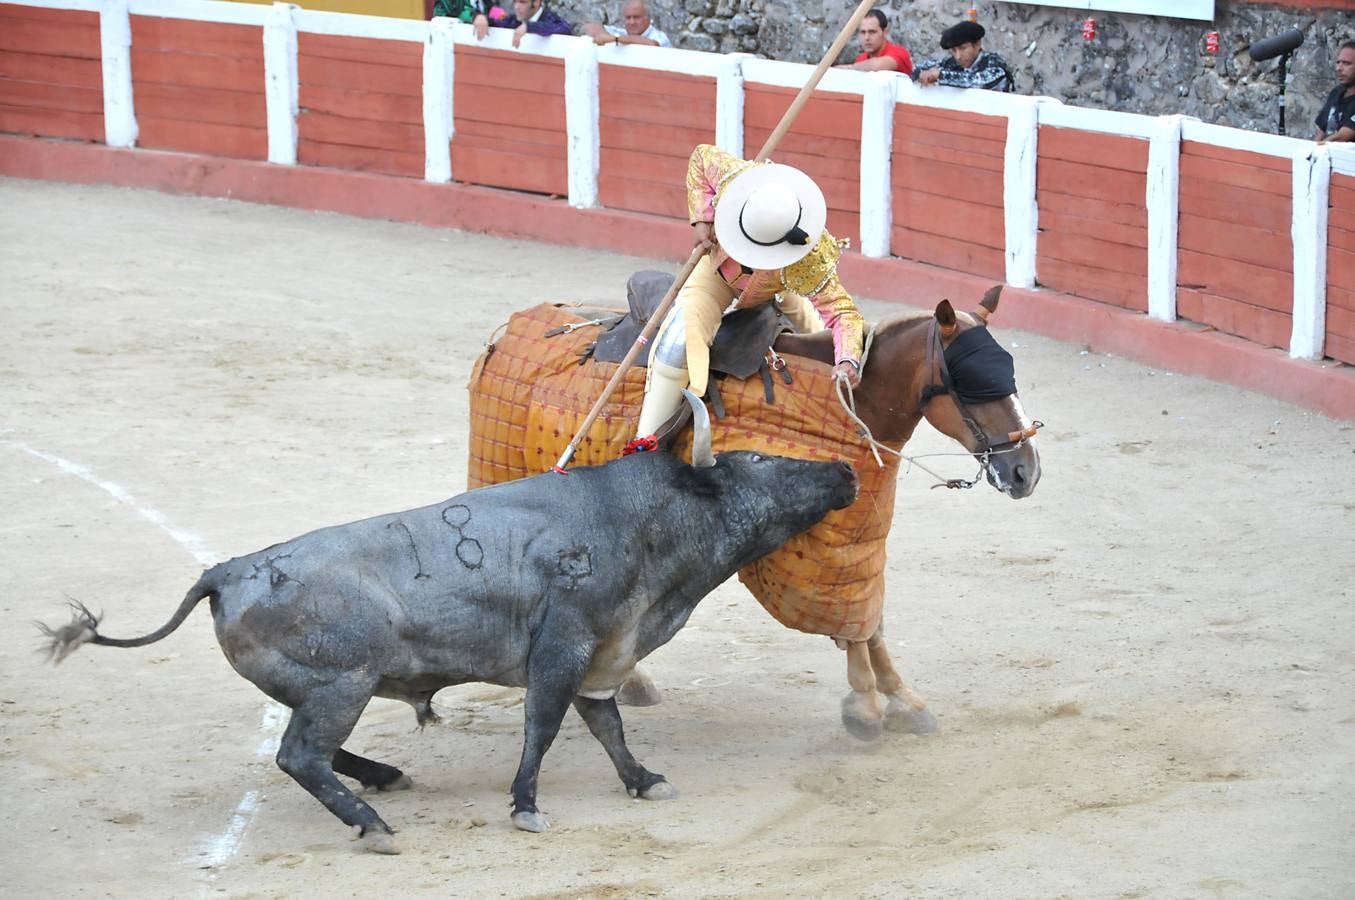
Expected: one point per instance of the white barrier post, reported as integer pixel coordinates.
(280, 83)
(877, 153)
(1020, 212)
(439, 70)
(729, 105)
(581, 123)
(1162, 200)
(115, 39)
(1312, 188)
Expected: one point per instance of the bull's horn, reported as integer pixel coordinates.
(702, 457)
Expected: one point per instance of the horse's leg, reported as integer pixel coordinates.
(906, 710)
(862, 712)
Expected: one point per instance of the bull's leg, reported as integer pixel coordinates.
(905, 710)
(370, 773)
(604, 720)
(555, 671)
(317, 730)
(862, 712)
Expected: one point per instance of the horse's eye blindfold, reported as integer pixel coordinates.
(980, 369)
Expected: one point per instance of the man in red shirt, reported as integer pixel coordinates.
(878, 54)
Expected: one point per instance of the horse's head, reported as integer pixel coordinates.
(969, 393)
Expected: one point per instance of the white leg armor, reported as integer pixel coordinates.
(667, 374)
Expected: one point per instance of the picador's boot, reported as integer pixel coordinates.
(664, 412)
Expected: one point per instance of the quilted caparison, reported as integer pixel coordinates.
(529, 395)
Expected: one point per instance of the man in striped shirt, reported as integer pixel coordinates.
(969, 65)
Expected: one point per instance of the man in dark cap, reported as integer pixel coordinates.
(969, 65)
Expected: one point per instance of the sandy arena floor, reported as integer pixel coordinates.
(1144, 674)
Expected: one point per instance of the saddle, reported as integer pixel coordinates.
(741, 347)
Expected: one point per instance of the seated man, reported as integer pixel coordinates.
(764, 224)
(969, 65)
(638, 28)
(877, 53)
(532, 17)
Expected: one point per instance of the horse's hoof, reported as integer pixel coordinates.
(901, 718)
(378, 841)
(639, 690)
(534, 822)
(862, 717)
(659, 790)
(401, 782)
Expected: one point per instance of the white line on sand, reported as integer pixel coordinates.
(214, 850)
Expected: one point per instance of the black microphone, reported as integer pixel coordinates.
(1274, 46)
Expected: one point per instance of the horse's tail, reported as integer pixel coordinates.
(83, 628)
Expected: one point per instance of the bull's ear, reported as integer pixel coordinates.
(945, 317)
(988, 305)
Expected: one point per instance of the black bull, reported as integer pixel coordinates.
(556, 583)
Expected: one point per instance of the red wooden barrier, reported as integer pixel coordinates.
(824, 143)
(649, 123)
(947, 194)
(1341, 269)
(360, 104)
(1093, 234)
(198, 87)
(51, 83)
(509, 113)
(1235, 257)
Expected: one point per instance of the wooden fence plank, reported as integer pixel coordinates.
(1117, 288)
(950, 253)
(1108, 150)
(51, 69)
(1230, 240)
(1263, 326)
(206, 138)
(1255, 285)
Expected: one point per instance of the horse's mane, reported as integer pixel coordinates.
(900, 321)
(819, 345)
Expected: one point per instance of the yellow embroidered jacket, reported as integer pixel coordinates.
(814, 277)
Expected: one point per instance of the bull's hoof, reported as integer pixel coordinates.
(402, 782)
(659, 790)
(534, 822)
(862, 716)
(639, 690)
(901, 718)
(378, 841)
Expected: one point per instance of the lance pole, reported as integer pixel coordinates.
(661, 311)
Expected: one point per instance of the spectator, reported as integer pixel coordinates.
(877, 53)
(473, 12)
(532, 17)
(638, 28)
(1336, 119)
(969, 65)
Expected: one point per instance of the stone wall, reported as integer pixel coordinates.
(1138, 64)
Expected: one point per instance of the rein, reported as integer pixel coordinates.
(1015, 439)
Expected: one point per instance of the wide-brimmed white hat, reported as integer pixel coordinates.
(770, 216)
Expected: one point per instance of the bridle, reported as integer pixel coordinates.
(935, 355)
(987, 447)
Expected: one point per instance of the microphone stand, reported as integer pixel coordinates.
(1284, 83)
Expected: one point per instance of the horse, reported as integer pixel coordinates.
(532, 387)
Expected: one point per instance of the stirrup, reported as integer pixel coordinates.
(670, 429)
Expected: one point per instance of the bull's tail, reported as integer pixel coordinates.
(83, 628)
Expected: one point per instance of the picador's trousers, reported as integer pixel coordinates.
(680, 356)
